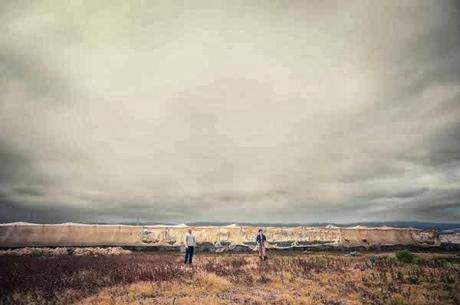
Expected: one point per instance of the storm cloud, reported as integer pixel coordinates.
(297, 111)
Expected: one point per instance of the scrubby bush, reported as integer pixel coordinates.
(406, 257)
(145, 278)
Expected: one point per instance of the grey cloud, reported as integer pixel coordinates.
(30, 191)
(332, 111)
(13, 164)
(444, 148)
(392, 194)
(438, 204)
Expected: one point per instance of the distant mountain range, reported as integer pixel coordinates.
(398, 224)
(455, 227)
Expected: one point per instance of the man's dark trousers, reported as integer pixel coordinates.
(188, 254)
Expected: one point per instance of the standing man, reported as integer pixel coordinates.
(261, 240)
(190, 243)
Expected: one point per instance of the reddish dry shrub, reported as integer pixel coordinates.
(48, 276)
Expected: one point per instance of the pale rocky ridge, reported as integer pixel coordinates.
(216, 238)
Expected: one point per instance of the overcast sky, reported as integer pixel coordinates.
(275, 111)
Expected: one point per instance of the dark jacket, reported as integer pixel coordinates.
(258, 238)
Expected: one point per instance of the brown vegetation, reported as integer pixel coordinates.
(328, 279)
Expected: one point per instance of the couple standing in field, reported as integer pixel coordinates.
(190, 244)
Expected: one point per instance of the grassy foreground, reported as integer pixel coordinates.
(330, 279)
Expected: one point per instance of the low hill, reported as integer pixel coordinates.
(218, 238)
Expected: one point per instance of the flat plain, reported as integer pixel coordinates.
(285, 278)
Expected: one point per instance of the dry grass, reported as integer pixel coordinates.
(325, 279)
(214, 283)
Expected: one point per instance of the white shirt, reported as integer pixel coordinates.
(190, 240)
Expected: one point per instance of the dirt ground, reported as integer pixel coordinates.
(285, 278)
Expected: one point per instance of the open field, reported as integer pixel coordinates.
(286, 278)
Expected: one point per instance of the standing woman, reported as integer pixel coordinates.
(261, 241)
(190, 243)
